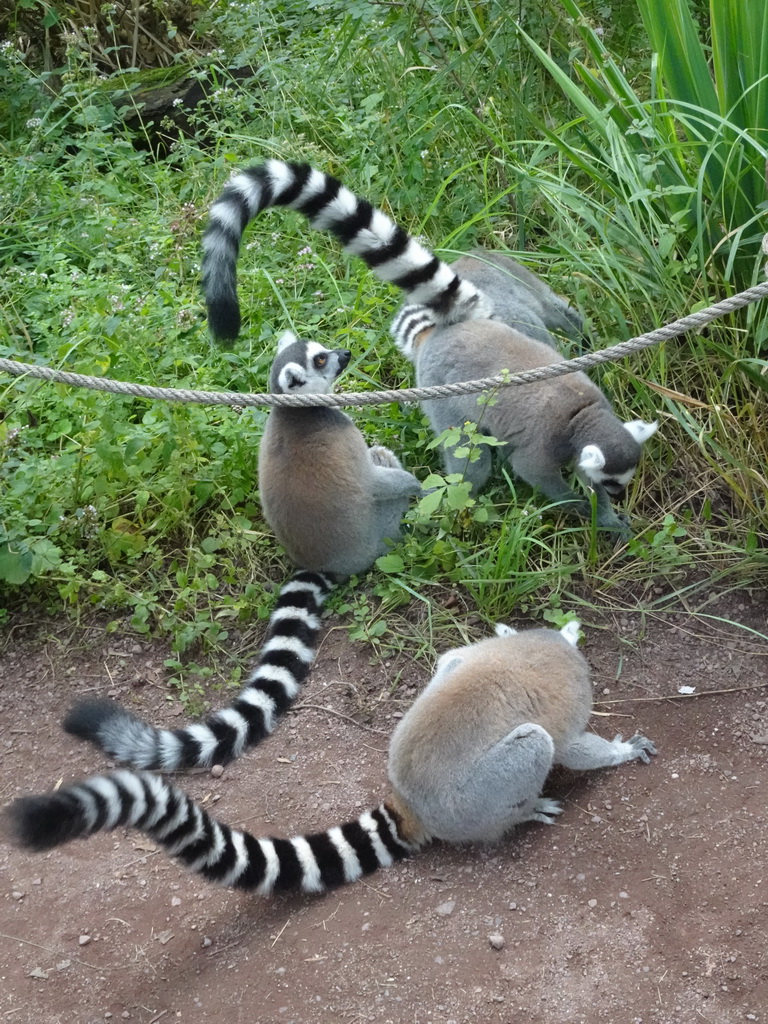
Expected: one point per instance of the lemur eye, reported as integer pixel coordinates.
(320, 361)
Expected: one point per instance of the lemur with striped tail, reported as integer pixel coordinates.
(546, 426)
(467, 762)
(362, 229)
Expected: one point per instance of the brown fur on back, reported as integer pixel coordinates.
(536, 676)
(315, 483)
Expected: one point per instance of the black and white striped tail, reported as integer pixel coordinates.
(283, 665)
(362, 229)
(205, 846)
(408, 325)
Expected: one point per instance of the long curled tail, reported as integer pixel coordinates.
(204, 845)
(362, 229)
(283, 665)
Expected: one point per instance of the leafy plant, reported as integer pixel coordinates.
(698, 144)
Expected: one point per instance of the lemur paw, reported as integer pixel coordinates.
(545, 811)
(381, 456)
(637, 747)
(615, 522)
(621, 525)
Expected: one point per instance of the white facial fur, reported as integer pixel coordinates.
(305, 377)
(292, 379)
(641, 430)
(591, 462)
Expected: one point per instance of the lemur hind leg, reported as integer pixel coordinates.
(503, 788)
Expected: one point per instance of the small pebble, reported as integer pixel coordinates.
(591, 903)
(496, 940)
(84, 940)
(16, 895)
(217, 771)
(446, 908)
(207, 942)
(175, 901)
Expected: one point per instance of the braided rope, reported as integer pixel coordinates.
(403, 395)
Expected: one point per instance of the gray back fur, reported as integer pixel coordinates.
(545, 425)
(520, 299)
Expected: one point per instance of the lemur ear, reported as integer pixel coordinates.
(641, 430)
(291, 376)
(591, 458)
(286, 338)
(502, 630)
(570, 632)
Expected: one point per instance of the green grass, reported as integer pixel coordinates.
(451, 119)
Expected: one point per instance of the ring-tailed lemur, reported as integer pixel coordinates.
(334, 505)
(283, 665)
(467, 762)
(546, 426)
(332, 501)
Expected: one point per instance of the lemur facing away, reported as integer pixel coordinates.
(546, 426)
(467, 762)
(561, 422)
(335, 505)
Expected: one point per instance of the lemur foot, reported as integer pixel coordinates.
(545, 811)
(637, 748)
(618, 523)
(381, 456)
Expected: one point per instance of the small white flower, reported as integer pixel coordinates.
(34, 122)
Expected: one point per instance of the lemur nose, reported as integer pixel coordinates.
(344, 356)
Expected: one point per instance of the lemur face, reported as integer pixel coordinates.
(306, 367)
(614, 477)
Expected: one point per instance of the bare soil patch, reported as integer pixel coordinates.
(645, 904)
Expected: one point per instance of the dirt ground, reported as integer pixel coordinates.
(645, 904)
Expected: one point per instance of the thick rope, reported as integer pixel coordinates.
(503, 380)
